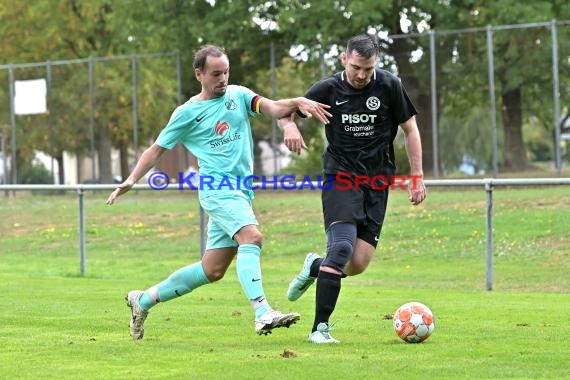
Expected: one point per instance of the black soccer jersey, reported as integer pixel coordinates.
(364, 122)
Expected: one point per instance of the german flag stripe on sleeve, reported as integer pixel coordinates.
(256, 104)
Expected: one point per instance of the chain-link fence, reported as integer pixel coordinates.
(490, 100)
(80, 136)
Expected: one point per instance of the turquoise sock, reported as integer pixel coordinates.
(249, 273)
(183, 281)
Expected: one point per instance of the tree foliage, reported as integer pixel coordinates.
(307, 37)
(77, 30)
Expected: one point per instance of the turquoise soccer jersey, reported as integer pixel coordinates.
(218, 133)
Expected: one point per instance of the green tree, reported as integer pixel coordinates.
(77, 29)
(522, 71)
(523, 68)
(316, 30)
(243, 28)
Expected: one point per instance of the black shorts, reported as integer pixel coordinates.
(362, 205)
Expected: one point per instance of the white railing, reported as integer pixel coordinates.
(488, 185)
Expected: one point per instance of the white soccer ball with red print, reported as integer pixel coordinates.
(414, 322)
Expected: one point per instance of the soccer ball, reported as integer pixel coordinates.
(413, 322)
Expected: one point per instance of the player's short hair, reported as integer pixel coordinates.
(204, 52)
(364, 44)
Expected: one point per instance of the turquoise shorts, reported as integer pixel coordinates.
(228, 212)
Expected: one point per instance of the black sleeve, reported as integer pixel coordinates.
(319, 92)
(403, 107)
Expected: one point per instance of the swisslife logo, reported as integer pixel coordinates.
(222, 129)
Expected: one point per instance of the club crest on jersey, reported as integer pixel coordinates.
(373, 103)
(231, 105)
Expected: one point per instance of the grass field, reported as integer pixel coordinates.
(56, 324)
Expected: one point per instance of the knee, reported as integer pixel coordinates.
(215, 273)
(251, 236)
(343, 248)
(257, 238)
(341, 238)
(338, 255)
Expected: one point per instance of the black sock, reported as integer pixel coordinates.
(328, 289)
(315, 267)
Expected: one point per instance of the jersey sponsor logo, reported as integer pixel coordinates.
(339, 102)
(359, 124)
(355, 118)
(373, 103)
(218, 143)
(199, 118)
(360, 131)
(221, 128)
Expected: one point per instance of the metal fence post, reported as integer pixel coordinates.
(489, 232)
(82, 258)
(135, 107)
(274, 144)
(492, 100)
(90, 70)
(556, 97)
(13, 163)
(50, 116)
(434, 127)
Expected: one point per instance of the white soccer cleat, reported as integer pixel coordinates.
(274, 319)
(138, 315)
(322, 335)
(299, 285)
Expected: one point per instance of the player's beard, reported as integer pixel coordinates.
(220, 90)
(356, 83)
